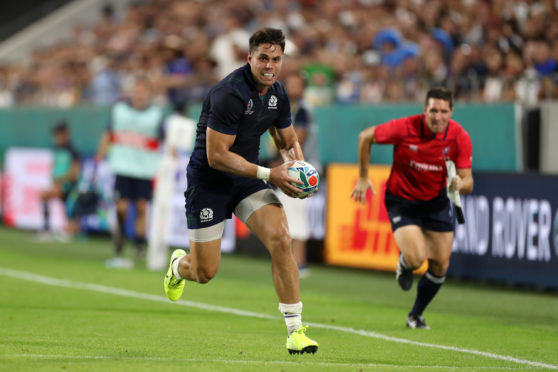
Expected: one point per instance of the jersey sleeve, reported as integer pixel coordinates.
(464, 157)
(391, 132)
(284, 119)
(225, 112)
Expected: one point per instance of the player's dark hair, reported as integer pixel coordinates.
(271, 36)
(61, 126)
(439, 93)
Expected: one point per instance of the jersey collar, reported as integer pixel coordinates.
(249, 77)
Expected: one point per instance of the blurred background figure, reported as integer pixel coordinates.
(132, 144)
(65, 172)
(306, 131)
(180, 135)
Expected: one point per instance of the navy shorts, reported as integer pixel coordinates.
(132, 188)
(435, 214)
(212, 199)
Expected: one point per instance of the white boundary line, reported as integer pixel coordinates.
(305, 362)
(16, 274)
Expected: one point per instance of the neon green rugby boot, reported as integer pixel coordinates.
(174, 286)
(299, 343)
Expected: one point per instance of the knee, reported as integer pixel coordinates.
(438, 268)
(279, 242)
(121, 209)
(141, 207)
(414, 259)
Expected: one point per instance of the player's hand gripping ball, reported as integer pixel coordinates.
(307, 174)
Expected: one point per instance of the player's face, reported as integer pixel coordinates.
(437, 114)
(61, 138)
(265, 63)
(141, 96)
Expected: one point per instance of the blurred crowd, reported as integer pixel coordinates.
(349, 51)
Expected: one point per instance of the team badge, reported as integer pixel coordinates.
(272, 104)
(446, 150)
(206, 215)
(249, 108)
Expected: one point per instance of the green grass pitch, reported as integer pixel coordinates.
(61, 309)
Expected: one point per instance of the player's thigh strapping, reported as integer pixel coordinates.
(209, 204)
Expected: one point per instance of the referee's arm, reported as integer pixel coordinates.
(463, 181)
(365, 140)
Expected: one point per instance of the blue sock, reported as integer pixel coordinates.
(427, 289)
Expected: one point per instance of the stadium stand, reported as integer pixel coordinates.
(365, 51)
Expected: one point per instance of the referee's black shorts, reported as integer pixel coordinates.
(435, 214)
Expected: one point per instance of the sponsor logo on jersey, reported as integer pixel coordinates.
(249, 108)
(413, 148)
(206, 215)
(272, 103)
(425, 167)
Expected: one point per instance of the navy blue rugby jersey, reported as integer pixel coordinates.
(234, 106)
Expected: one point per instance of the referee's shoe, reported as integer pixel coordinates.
(416, 322)
(404, 276)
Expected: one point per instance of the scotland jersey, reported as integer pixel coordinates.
(235, 107)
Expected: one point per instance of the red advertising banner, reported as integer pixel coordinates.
(359, 235)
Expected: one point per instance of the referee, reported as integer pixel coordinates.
(420, 212)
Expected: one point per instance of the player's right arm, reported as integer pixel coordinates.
(221, 158)
(365, 140)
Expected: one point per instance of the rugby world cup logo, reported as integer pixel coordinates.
(249, 108)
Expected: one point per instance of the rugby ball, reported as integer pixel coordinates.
(307, 174)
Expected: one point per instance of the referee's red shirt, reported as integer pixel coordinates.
(419, 170)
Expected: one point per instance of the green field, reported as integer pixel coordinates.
(61, 309)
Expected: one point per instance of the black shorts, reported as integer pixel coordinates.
(211, 199)
(435, 214)
(132, 188)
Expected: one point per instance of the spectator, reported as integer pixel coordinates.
(327, 36)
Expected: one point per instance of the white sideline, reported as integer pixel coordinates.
(16, 274)
(306, 362)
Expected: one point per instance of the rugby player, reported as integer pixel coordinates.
(421, 215)
(224, 177)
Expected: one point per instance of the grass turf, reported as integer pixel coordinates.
(48, 327)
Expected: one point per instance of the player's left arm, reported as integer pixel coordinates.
(287, 143)
(463, 181)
